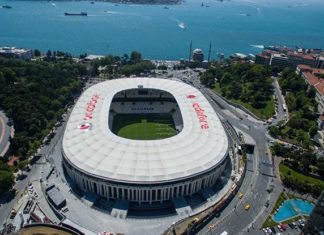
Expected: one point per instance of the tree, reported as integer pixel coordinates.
(313, 130)
(49, 54)
(291, 101)
(135, 57)
(37, 53)
(9, 75)
(300, 136)
(7, 181)
(22, 164)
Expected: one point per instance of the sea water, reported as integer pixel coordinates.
(158, 33)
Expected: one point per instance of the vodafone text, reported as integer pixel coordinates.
(201, 116)
(91, 106)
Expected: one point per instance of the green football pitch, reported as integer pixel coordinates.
(144, 126)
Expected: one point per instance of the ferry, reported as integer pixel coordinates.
(76, 14)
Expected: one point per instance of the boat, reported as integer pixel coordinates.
(92, 2)
(182, 25)
(166, 7)
(76, 14)
(7, 6)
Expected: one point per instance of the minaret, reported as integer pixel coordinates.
(209, 51)
(190, 51)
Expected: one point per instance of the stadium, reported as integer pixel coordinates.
(144, 140)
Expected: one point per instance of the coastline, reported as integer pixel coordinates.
(126, 2)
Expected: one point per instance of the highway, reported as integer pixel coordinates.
(36, 170)
(259, 175)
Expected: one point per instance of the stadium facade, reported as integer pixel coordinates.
(144, 171)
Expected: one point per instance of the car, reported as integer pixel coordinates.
(65, 209)
(301, 223)
(265, 231)
(240, 195)
(217, 214)
(247, 207)
(294, 224)
(291, 225)
(279, 227)
(273, 230)
(266, 204)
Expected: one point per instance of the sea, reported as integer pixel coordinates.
(162, 32)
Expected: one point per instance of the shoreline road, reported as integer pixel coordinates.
(4, 134)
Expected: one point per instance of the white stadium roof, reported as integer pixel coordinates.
(99, 152)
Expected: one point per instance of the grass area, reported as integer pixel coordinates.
(217, 89)
(43, 230)
(269, 222)
(265, 113)
(287, 172)
(144, 126)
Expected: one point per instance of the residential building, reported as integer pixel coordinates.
(285, 57)
(320, 62)
(320, 96)
(18, 53)
(281, 61)
(262, 59)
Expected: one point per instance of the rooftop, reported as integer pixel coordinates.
(13, 50)
(320, 88)
(99, 152)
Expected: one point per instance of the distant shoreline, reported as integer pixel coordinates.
(142, 2)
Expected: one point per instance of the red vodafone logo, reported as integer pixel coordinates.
(191, 96)
(201, 116)
(85, 126)
(91, 105)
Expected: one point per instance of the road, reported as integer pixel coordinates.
(259, 175)
(33, 175)
(4, 134)
(280, 113)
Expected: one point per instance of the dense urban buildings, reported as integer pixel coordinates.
(283, 57)
(18, 53)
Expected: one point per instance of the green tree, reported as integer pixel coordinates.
(7, 181)
(313, 130)
(22, 164)
(135, 57)
(37, 53)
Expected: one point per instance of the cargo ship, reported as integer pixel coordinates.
(76, 14)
